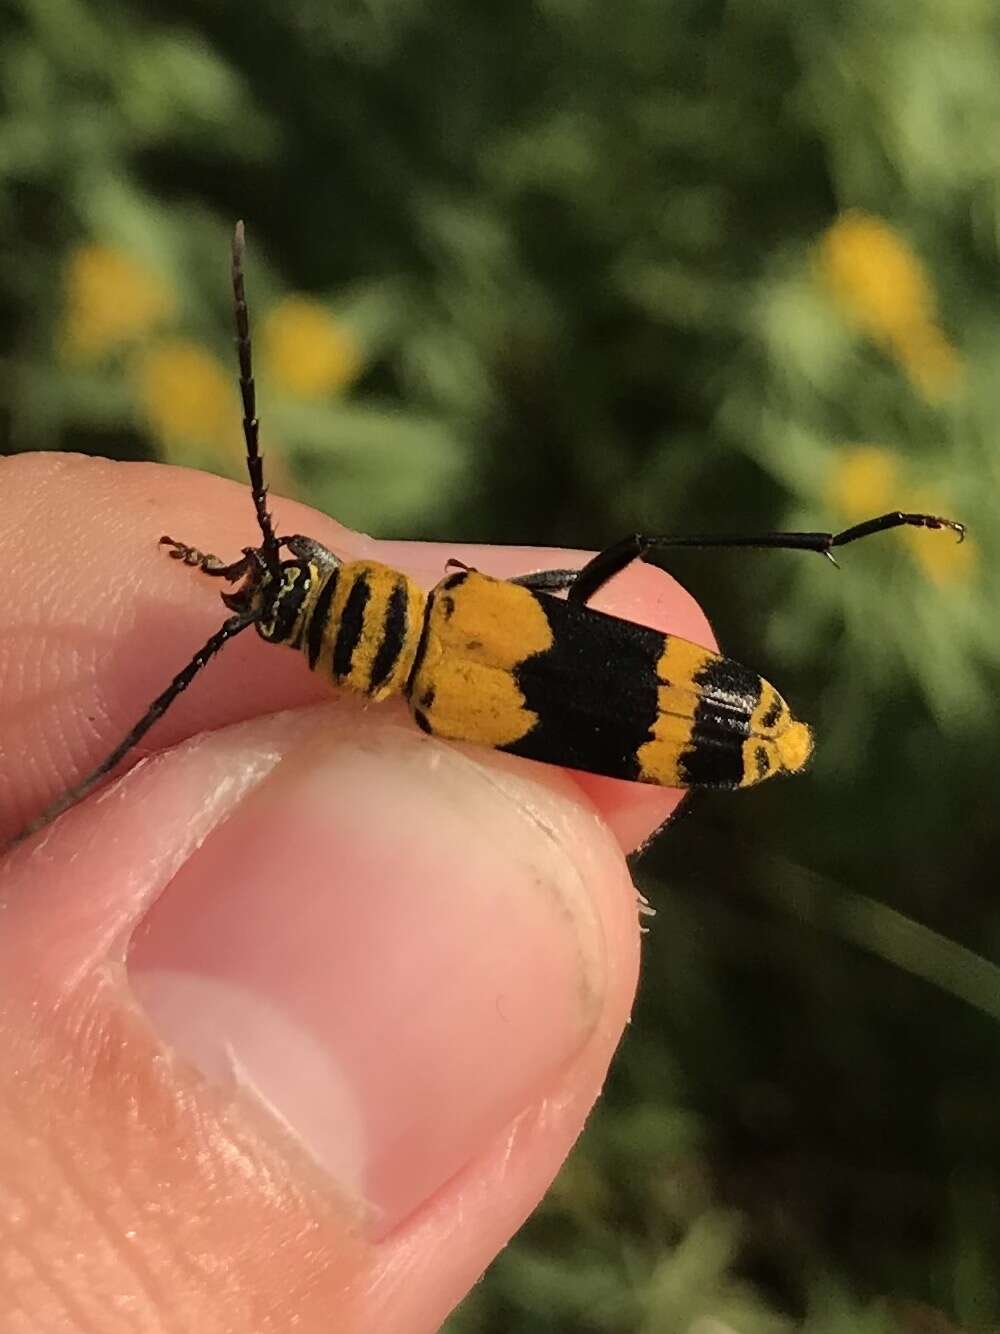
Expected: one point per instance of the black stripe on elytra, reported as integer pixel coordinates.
(771, 714)
(288, 603)
(729, 693)
(320, 617)
(395, 627)
(349, 630)
(430, 606)
(594, 691)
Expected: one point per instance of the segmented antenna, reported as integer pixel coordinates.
(255, 461)
(159, 706)
(268, 553)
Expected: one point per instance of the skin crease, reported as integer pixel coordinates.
(134, 1194)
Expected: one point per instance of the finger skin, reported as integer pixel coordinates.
(130, 1184)
(191, 1203)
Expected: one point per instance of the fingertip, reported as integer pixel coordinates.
(419, 957)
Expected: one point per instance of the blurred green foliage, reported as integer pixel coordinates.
(552, 271)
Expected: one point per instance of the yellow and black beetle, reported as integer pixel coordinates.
(507, 663)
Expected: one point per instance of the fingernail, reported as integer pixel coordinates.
(390, 945)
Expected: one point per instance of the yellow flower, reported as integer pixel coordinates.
(875, 277)
(863, 481)
(308, 353)
(189, 398)
(111, 298)
(946, 563)
(880, 284)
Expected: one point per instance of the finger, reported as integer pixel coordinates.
(100, 621)
(297, 1022)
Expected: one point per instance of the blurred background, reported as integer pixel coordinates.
(551, 271)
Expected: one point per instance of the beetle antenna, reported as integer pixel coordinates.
(159, 706)
(255, 461)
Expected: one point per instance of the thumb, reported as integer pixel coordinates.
(297, 1023)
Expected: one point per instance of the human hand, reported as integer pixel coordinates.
(299, 1019)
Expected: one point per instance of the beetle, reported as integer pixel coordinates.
(506, 663)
